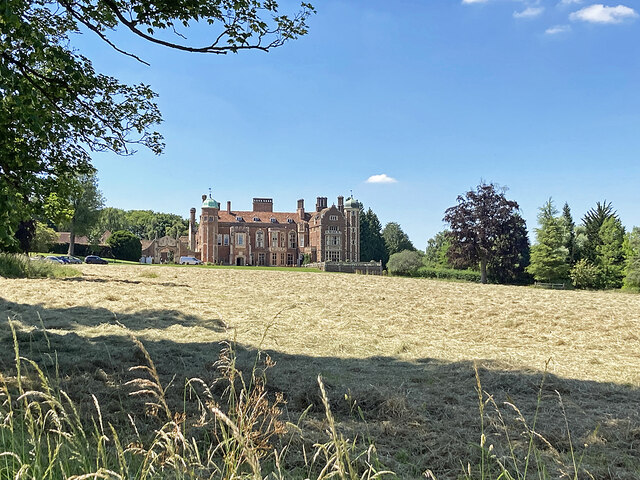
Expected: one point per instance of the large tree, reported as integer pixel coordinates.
(632, 253)
(395, 239)
(372, 246)
(550, 256)
(478, 224)
(437, 250)
(56, 109)
(85, 201)
(592, 222)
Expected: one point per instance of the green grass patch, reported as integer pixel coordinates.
(20, 266)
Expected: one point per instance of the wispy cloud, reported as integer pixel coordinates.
(382, 178)
(557, 29)
(529, 12)
(598, 13)
(474, 1)
(570, 2)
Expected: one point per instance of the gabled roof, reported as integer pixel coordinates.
(265, 217)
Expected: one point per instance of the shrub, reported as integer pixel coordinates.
(44, 238)
(83, 250)
(449, 274)
(125, 245)
(20, 266)
(406, 262)
(585, 274)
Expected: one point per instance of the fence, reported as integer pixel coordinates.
(363, 268)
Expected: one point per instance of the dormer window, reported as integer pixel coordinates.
(273, 220)
(256, 219)
(239, 219)
(289, 220)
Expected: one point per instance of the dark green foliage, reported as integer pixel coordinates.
(406, 262)
(372, 246)
(449, 274)
(56, 109)
(395, 239)
(569, 234)
(44, 238)
(480, 227)
(25, 234)
(586, 275)
(125, 246)
(85, 201)
(610, 252)
(550, 256)
(592, 222)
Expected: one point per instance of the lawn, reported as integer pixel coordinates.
(397, 356)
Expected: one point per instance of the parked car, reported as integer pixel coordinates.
(69, 259)
(95, 260)
(190, 261)
(54, 259)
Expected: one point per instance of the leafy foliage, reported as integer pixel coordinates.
(437, 250)
(406, 262)
(449, 274)
(512, 254)
(610, 252)
(395, 239)
(632, 247)
(44, 238)
(85, 201)
(125, 245)
(592, 222)
(585, 274)
(481, 224)
(372, 245)
(550, 256)
(56, 109)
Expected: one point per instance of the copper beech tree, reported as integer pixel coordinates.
(485, 228)
(55, 109)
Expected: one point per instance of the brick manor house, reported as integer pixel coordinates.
(264, 237)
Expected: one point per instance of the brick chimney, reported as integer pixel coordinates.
(301, 209)
(321, 202)
(228, 207)
(341, 203)
(192, 229)
(204, 197)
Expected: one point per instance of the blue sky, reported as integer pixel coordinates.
(539, 96)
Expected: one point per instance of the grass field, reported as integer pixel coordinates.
(397, 356)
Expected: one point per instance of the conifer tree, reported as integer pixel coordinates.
(549, 256)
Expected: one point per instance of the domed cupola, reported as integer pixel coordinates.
(351, 203)
(209, 202)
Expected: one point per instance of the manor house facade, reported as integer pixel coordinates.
(263, 237)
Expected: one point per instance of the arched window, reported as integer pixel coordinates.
(259, 239)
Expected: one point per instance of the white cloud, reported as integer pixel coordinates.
(556, 29)
(570, 2)
(529, 12)
(598, 13)
(474, 1)
(382, 178)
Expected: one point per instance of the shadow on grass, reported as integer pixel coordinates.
(420, 414)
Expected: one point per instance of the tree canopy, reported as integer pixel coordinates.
(550, 255)
(56, 109)
(395, 239)
(372, 246)
(480, 226)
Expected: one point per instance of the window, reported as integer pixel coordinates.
(333, 228)
(289, 258)
(292, 240)
(289, 220)
(219, 239)
(226, 239)
(333, 218)
(333, 257)
(256, 219)
(301, 241)
(273, 220)
(333, 239)
(240, 239)
(261, 259)
(283, 240)
(259, 239)
(274, 239)
(274, 259)
(211, 219)
(282, 259)
(239, 219)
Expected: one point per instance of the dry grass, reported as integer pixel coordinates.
(398, 352)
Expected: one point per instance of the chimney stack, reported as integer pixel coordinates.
(321, 202)
(341, 203)
(301, 209)
(228, 207)
(192, 229)
(204, 197)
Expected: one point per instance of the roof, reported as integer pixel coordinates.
(210, 203)
(265, 217)
(65, 237)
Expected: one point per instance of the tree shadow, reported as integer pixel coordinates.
(421, 414)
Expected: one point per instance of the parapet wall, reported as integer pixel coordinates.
(363, 268)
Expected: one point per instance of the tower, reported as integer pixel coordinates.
(209, 230)
(352, 214)
(192, 229)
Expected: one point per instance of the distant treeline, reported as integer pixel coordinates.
(145, 224)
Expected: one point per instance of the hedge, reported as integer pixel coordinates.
(83, 250)
(448, 273)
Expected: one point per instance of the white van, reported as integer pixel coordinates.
(190, 261)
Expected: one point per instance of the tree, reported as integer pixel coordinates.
(109, 220)
(610, 253)
(570, 234)
(372, 246)
(406, 262)
(550, 256)
(395, 239)
(632, 249)
(56, 109)
(436, 254)
(125, 246)
(512, 254)
(592, 222)
(85, 201)
(480, 219)
(44, 238)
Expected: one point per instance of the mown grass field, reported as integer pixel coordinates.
(397, 356)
